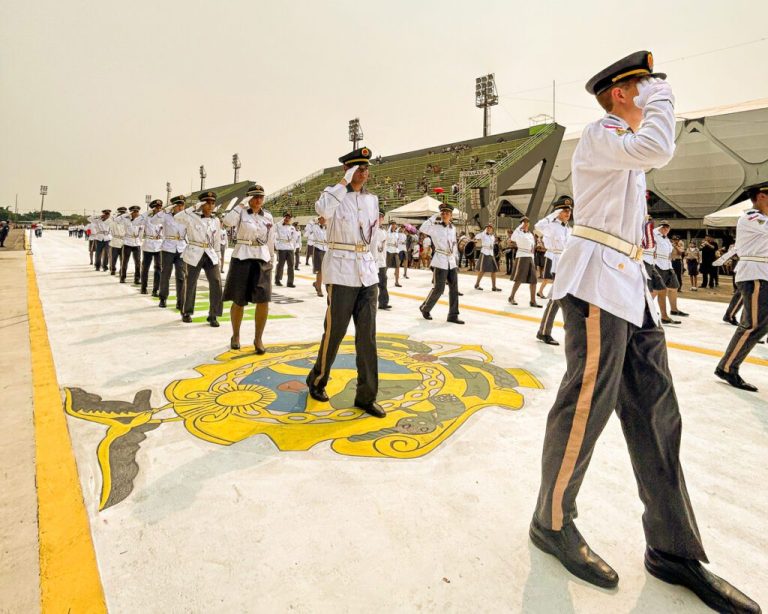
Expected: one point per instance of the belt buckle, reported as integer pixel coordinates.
(638, 257)
(360, 248)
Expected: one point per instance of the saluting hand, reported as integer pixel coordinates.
(349, 174)
(652, 88)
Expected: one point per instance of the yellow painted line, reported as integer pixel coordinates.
(753, 360)
(69, 575)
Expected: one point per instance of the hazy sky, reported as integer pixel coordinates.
(105, 101)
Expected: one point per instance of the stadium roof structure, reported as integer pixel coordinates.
(719, 152)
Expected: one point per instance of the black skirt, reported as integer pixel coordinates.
(317, 259)
(248, 281)
(488, 264)
(548, 273)
(524, 271)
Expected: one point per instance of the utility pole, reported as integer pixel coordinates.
(486, 97)
(236, 165)
(203, 175)
(43, 192)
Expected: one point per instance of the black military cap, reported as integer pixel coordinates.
(179, 200)
(121, 209)
(381, 212)
(134, 208)
(564, 202)
(106, 210)
(638, 64)
(207, 196)
(446, 207)
(359, 156)
(255, 190)
(156, 203)
(664, 223)
(752, 191)
(287, 214)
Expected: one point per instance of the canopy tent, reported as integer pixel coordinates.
(728, 216)
(424, 207)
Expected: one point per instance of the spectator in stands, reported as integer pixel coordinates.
(455, 189)
(692, 260)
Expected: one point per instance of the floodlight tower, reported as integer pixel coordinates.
(236, 165)
(167, 192)
(43, 192)
(355, 132)
(203, 175)
(486, 97)
(148, 199)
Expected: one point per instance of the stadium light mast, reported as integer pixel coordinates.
(148, 199)
(236, 165)
(167, 192)
(203, 175)
(43, 192)
(355, 132)
(486, 97)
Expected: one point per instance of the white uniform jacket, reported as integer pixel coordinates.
(117, 230)
(352, 219)
(174, 234)
(555, 235)
(487, 242)
(752, 242)
(255, 238)
(284, 239)
(100, 228)
(202, 237)
(132, 235)
(152, 231)
(380, 247)
(525, 242)
(609, 166)
(308, 233)
(319, 237)
(393, 240)
(446, 253)
(663, 251)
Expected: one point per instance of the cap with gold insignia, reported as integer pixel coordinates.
(121, 209)
(155, 204)
(751, 192)
(638, 64)
(134, 208)
(664, 223)
(255, 190)
(446, 207)
(359, 156)
(179, 200)
(203, 196)
(564, 202)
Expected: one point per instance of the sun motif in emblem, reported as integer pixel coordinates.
(428, 389)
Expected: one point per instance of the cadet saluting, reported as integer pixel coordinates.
(615, 347)
(350, 272)
(173, 246)
(444, 263)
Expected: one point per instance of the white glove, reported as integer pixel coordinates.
(348, 175)
(652, 88)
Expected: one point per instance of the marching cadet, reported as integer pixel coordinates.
(319, 243)
(285, 243)
(615, 348)
(349, 271)
(101, 238)
(554, 231)
(91, 240)
(444, 263)
(525, 269)
(487, 264)
(173, 246)
(666, 271)
(402, 250)
(310, 242)
(117, 230)
(202, 252)
(752, 282)
(393, 255)
(152, 232)
(297, 246)
(131, 243)
(655, 281)
(250, 268)
(223, 244)
(380, 251)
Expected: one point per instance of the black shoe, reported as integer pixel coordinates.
(478, 288)
(734, 379)
(260, 351)
(136, 282)
(569, 547)
(460, 293)
(398, 285)
(143, 291)
(669, 321)
(233, 345)
(186, 318)
(112, 273)
(178, 306)
(455, 321)
(730, 320)
(711, 589)
(535, 305)
(291, 286)
(496, 289)
(548, 339)
(385, 307)
(277, 283)
(679, 313)
(122, 281)
(511, 301)
(373, 409)
(425, 314)
(213, 321)
(154, 292)
(318, 394)
(162, 303)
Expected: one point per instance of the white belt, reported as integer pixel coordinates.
(444, 252)
(349, 247)
(753, 258)
(524, 254)
(247, 242)
(662, 257)
(635, 252)
(203, 245)
(555, 251)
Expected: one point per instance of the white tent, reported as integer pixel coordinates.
(424, 207)
(728, 216)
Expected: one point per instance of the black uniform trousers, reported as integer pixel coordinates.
(284, 257)
(213, 275)
(101, 261)
(548, 319)
(150, 259)
(615, 365)
(171, 262)
(359, 304)
(297, 258)
(737, 300)
(130, 251)
(116, 254)
(752, 327)
(383, 292)
(310, 251)
(441, 276)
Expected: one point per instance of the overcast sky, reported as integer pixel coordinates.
(105, 101)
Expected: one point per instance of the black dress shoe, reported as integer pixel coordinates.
(162, 303)
(679, 313)
(734, 379)
(455, 321)
(398, 286)
(569, 547)
(669, 321)
(535, 305)
(461, 294)
(260, 351)
(213, 322)
(478, 288)
(154, 292)
(511, 301)
(496, 289)
(122, 281)
(386, 307)
(233, 345)
(291, 286)
(373, 409)
(318, 394)
(143, 291)
(548, 339)
(711, 589)
(277, 283)
(730, 320)
(186, 318)
(425, 314)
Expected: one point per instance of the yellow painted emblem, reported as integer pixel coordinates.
(428, 389)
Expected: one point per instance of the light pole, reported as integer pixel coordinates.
(236, 165)
(43, 192)
(148, 199)
(167, 192)
(355, 132)
(486, 97)
(203, 175)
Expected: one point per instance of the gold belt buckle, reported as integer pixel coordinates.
(360, 248)
(638, 257)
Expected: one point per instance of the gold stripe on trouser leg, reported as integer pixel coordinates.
(746, 333)
(580, 417)
(736, 306)
(324, 349)
(517, 268)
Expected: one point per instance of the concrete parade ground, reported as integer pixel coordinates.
(176, 475)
